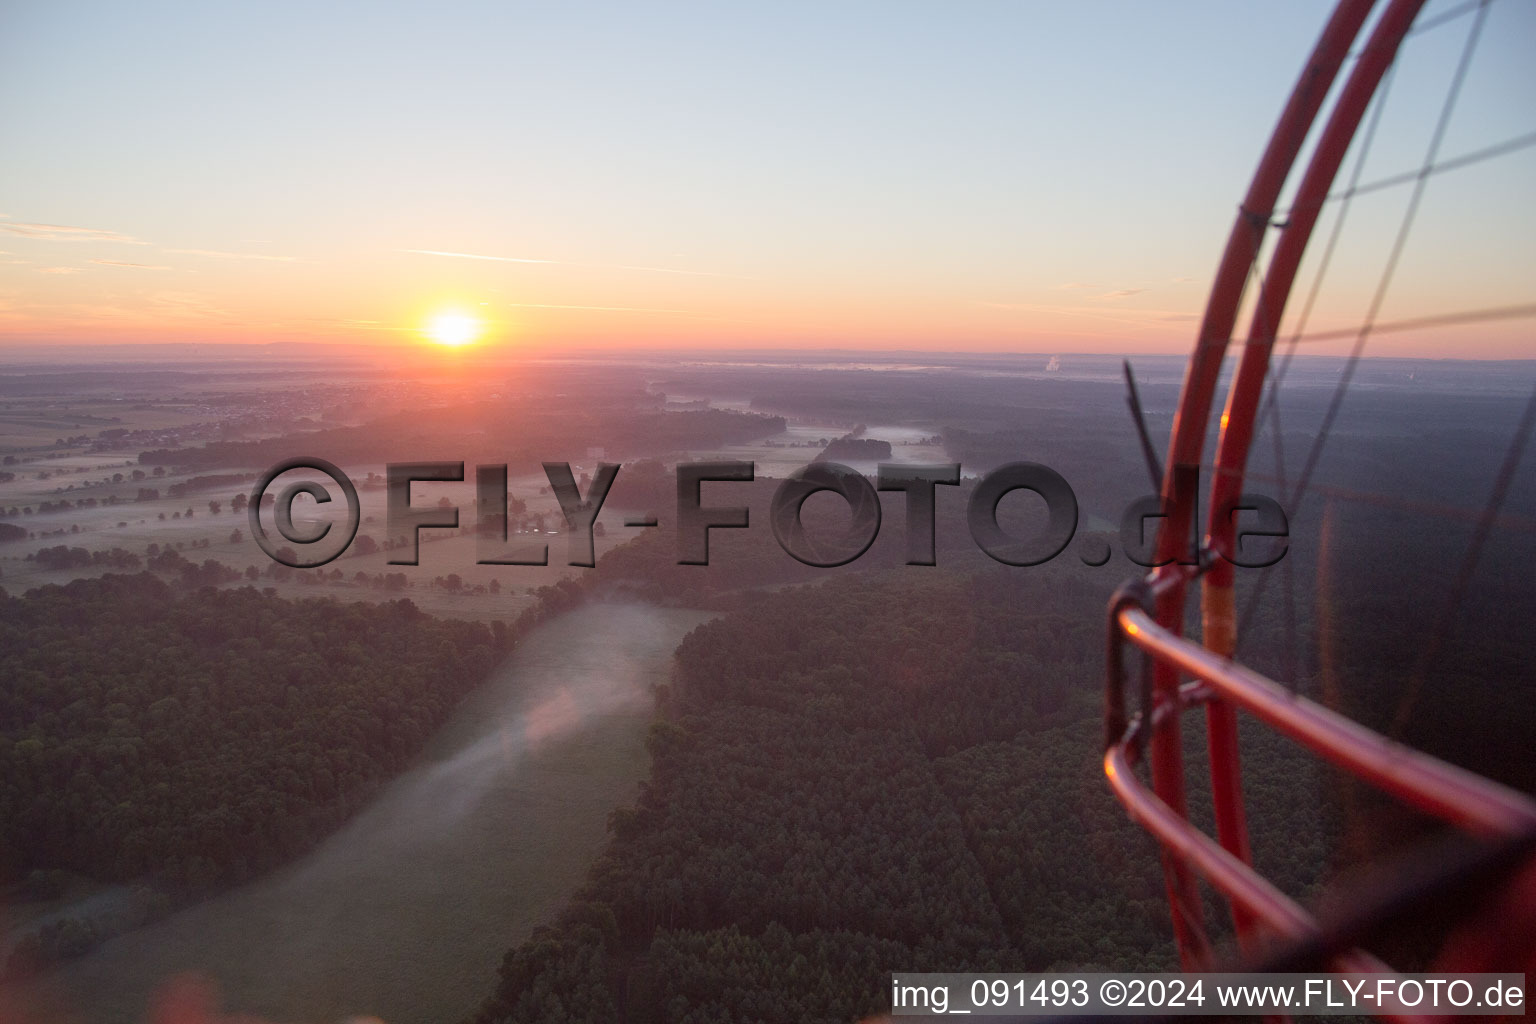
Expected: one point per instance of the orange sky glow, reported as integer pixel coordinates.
(985, 182)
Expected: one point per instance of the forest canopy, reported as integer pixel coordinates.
(198, 739)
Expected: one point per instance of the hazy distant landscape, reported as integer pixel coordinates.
(894, 725)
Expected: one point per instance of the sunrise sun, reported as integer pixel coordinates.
(453, 329)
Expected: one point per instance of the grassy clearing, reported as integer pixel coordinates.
(441, 553)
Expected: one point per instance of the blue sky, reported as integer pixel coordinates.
(987, 175)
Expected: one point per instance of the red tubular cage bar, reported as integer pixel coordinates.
(1149, 613)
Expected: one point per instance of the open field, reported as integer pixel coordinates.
(135, 525)
(39, 426)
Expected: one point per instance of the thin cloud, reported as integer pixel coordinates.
(474, 256)
(186, 305)
(217, 254)
(1119, 293)
(1134, 317)
(566, 263)
(615, 309)
(121, 263)
(688, 313)
(58, 270)
(66, 233)
(661, 270)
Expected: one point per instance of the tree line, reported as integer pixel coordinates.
(893, 771)
(195, 740)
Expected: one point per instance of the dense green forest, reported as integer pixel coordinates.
(741, 560)
(899, 772)
(894, 769)
(875, 774)
(196, 740)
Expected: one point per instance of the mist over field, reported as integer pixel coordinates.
(574, 786)
(405, 911)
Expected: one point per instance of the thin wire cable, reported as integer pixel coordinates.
(1271, 405)
(1289, 649)
(1278, 377)
(1398, 245)
(1287, 573)
(1458, 591)
(1506, 520)
(1443, 18)
(1405, 228)
(1470, 316)
(1477, 156)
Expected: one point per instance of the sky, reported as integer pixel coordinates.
(966, 176)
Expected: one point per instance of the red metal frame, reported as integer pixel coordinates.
(1218, 602)
(1432, 786)
(1181, 479)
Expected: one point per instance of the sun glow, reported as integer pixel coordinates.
(453, 329)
